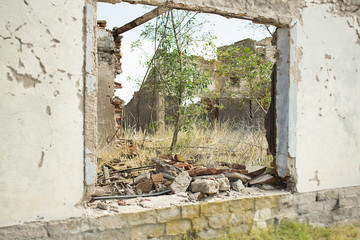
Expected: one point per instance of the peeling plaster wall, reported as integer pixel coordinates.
(48, 97)
(326, 73)
(41, 110)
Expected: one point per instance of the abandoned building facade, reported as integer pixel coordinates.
(147, 106)
(49, 133)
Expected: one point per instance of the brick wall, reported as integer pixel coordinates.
(203, 219)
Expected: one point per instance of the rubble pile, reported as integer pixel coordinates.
(171, 174)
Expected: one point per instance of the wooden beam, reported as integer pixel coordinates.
(141, 20)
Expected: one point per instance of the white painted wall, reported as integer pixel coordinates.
(41, 109)
(326, 50)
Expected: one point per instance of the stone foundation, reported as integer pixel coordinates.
(203, 220)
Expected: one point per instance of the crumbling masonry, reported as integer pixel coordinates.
(48, 112)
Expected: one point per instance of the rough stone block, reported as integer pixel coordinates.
(341, 214)
(113, 222)
(303, 198)
(249, 216)
(115, 234)
(205, 186)
(286, 212)
(181, 182)
(147, 231)
(272, 201)
(168, 214)
(91, 236)
(211, 233)
(238, 230)
(355, 213)
(287, 200)
(139, 218)
(67, 228)
(178, 227)
(26, 231)
(219, 220)
(262, 214)
(199, 224)
(236, 219)
(238, 185)
(224, 184)
(311, 207)
(326, 195)
(240, 205)
(322, 218)
(349, 192)
(348, 202)
(190, 211)
(214, 208)
(330, 204)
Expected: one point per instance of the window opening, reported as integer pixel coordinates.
(223, 134)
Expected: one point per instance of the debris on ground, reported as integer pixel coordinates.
(172, 174)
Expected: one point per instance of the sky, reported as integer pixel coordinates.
(226, 30)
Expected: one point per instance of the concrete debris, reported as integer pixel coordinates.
(181, 182)
(234, 176)
(262, 179)
(255, 170)
(193, 197)
(171, 173)
(205, 186)
(224, 184)
(102, 205)
(202, 171)
(237, 185)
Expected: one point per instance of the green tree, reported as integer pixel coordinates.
(178, 73)
(249, 73)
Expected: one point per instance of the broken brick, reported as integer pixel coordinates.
(238, 166)
(202, 171)
(157, 178)
(186, 166)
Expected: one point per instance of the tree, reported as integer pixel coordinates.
(249, 73)
(176, 70)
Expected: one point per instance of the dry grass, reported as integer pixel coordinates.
(300, 231)
(205, 145)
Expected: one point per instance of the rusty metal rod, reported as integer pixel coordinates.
(129, 196)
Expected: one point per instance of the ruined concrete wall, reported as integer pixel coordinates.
(106, 75)
(41, 110)
(203, 220)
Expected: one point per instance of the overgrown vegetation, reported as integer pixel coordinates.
(299, 231)
(248, 73)
(207, 145)
(176, 72)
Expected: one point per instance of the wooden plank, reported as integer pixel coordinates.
(141, 20)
